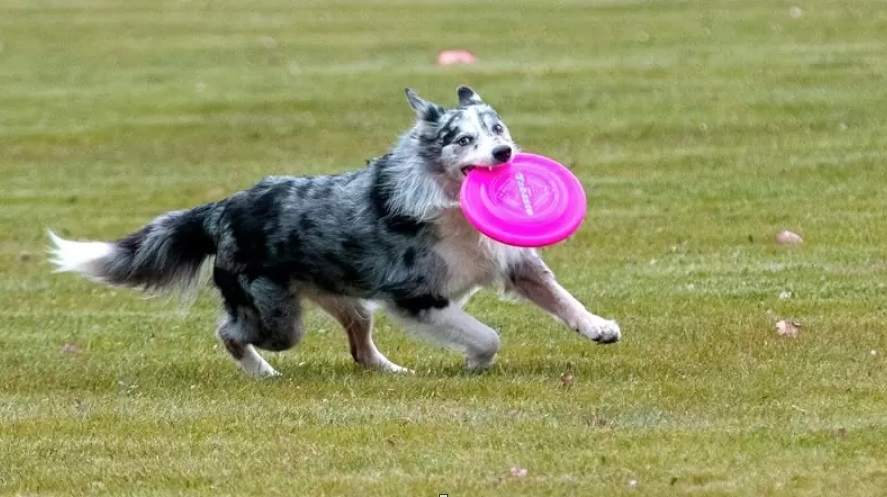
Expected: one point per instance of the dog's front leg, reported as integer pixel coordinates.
(532, 279)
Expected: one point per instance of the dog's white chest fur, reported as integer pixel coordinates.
(472, 259)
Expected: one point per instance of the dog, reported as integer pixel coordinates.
(389, 235)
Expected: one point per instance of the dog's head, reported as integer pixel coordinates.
(453, 141)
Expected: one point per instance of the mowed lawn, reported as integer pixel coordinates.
(699, 128)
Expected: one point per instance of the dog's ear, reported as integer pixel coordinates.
(425, 110)
(467, 97)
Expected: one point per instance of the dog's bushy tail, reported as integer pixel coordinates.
(164, 255)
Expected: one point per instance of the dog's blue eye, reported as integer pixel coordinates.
(498, 128)
(465, 141)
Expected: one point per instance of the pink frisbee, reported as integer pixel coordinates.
(531, 201)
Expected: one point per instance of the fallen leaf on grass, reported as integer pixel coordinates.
(568, 377)
(24, 257)
(70, 348)
(518, 472)
(786, 237)
(788, 328)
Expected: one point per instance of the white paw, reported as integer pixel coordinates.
(479, 363)
(262, 371)
(383, 364)
(599, 329)
(393, 368)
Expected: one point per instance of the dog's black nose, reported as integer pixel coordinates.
(502, 153)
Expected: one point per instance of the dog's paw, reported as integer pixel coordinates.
(394, 368)
(265, 372)
(259, 369)
(480, 362)
(381, 363)
(598, 329)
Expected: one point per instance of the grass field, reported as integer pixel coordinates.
(700, 128)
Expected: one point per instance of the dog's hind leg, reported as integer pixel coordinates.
(445, 323)
(233, 338)
(357, 318)
(260, 313)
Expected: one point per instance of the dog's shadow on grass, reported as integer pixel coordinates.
(222, 374)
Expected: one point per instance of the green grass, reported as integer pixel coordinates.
(699, 128)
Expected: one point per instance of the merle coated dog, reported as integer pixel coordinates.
(390, 234)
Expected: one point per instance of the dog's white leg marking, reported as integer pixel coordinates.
(357, 319)
(454, 328)
(533, 280)
(243, 353)
(255, 365)
(372, 358)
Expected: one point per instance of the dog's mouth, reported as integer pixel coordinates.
(467, 169)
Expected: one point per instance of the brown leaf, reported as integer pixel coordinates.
(567, 378)
(24, 257)
(786, 237)
(788, 328)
